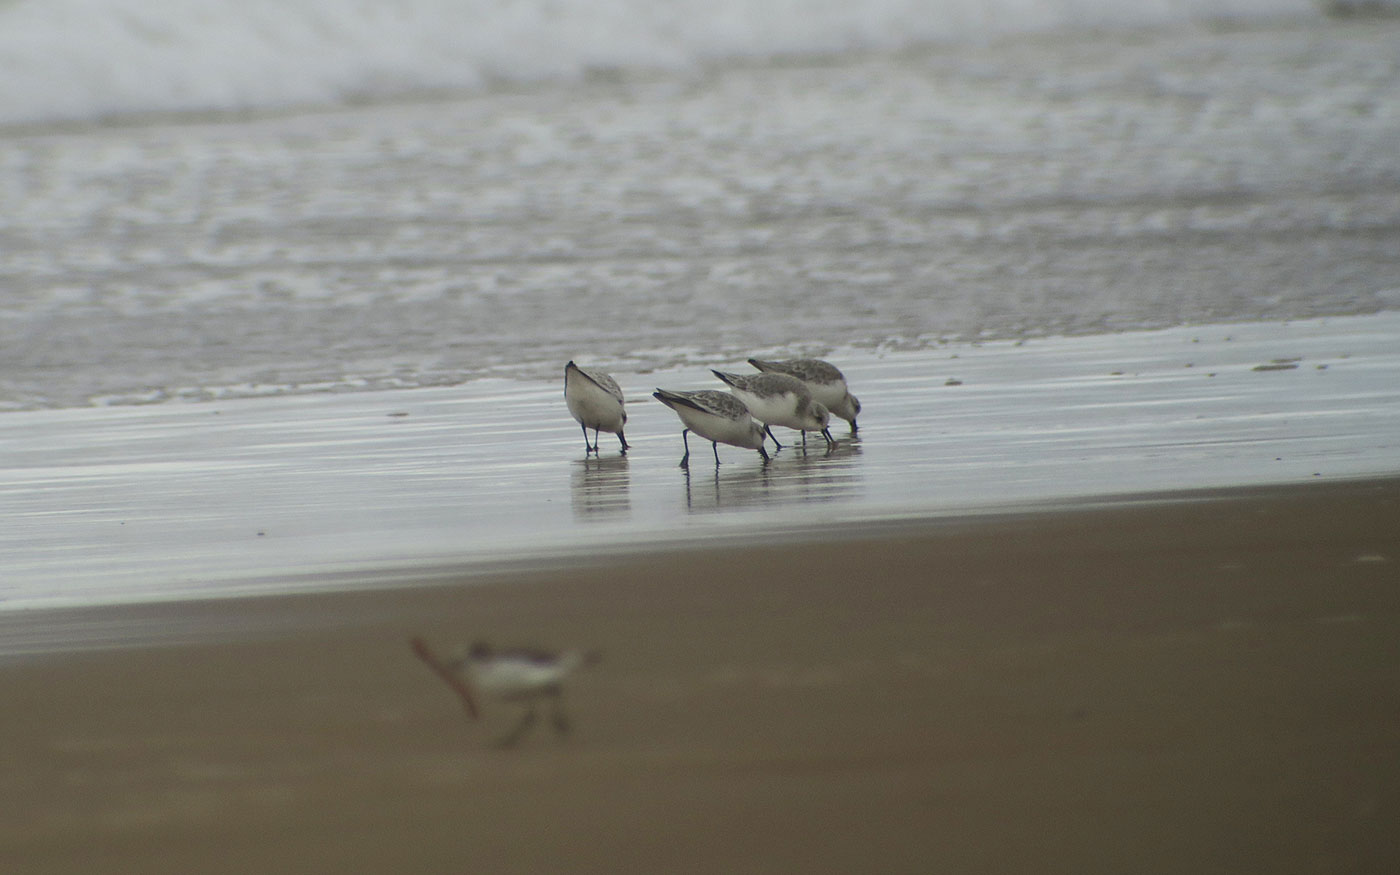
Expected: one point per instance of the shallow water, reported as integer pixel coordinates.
(1069, 182)
(378, 488)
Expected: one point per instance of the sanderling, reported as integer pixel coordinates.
(778, 399)
(716, 416)
(595, 401)
(826, 382)
(509, 675)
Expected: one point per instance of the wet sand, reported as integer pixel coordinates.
(252, 496)
(1210, 684)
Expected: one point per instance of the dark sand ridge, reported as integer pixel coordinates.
(1192, 686)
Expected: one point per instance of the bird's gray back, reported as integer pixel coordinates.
(811, 370)
(603, 380)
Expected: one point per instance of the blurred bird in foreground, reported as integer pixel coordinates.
(523, 675)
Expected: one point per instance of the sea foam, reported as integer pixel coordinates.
(78, 60)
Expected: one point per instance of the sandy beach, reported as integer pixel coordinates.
(1105, 581)
(1202, 684)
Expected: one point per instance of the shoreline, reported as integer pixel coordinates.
(171, 501)
(1189, 685)
(268, 608)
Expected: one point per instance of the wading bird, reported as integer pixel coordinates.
(779, 399)
(595, 400)
(718, 417)
(826, 383)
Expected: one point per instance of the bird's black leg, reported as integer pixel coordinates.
(561, 723)
(685, 460)
(623, 438)
(586, 447)
(714, 445)
(511, 738)
(768, 430)
(830, 441)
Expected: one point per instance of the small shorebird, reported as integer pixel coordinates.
(779, 399)
(522, 675)
(595, 400)
(826, 383)
(716, 416)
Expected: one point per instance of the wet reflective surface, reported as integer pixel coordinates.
(116, 504)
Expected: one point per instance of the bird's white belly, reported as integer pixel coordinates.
(594, 408)
(772, 410)
(712, 427)
(516, 680)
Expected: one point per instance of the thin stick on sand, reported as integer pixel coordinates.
(444, 670)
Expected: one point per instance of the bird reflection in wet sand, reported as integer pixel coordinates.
(522, 675)
(599, 487)
(789, 480)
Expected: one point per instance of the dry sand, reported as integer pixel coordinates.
(1194, 686)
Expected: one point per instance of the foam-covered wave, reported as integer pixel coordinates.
(89, 59)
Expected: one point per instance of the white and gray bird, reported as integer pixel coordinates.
(718, 417)
(595, 400)
(779, 399)
(521, 675)
(823, 379)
